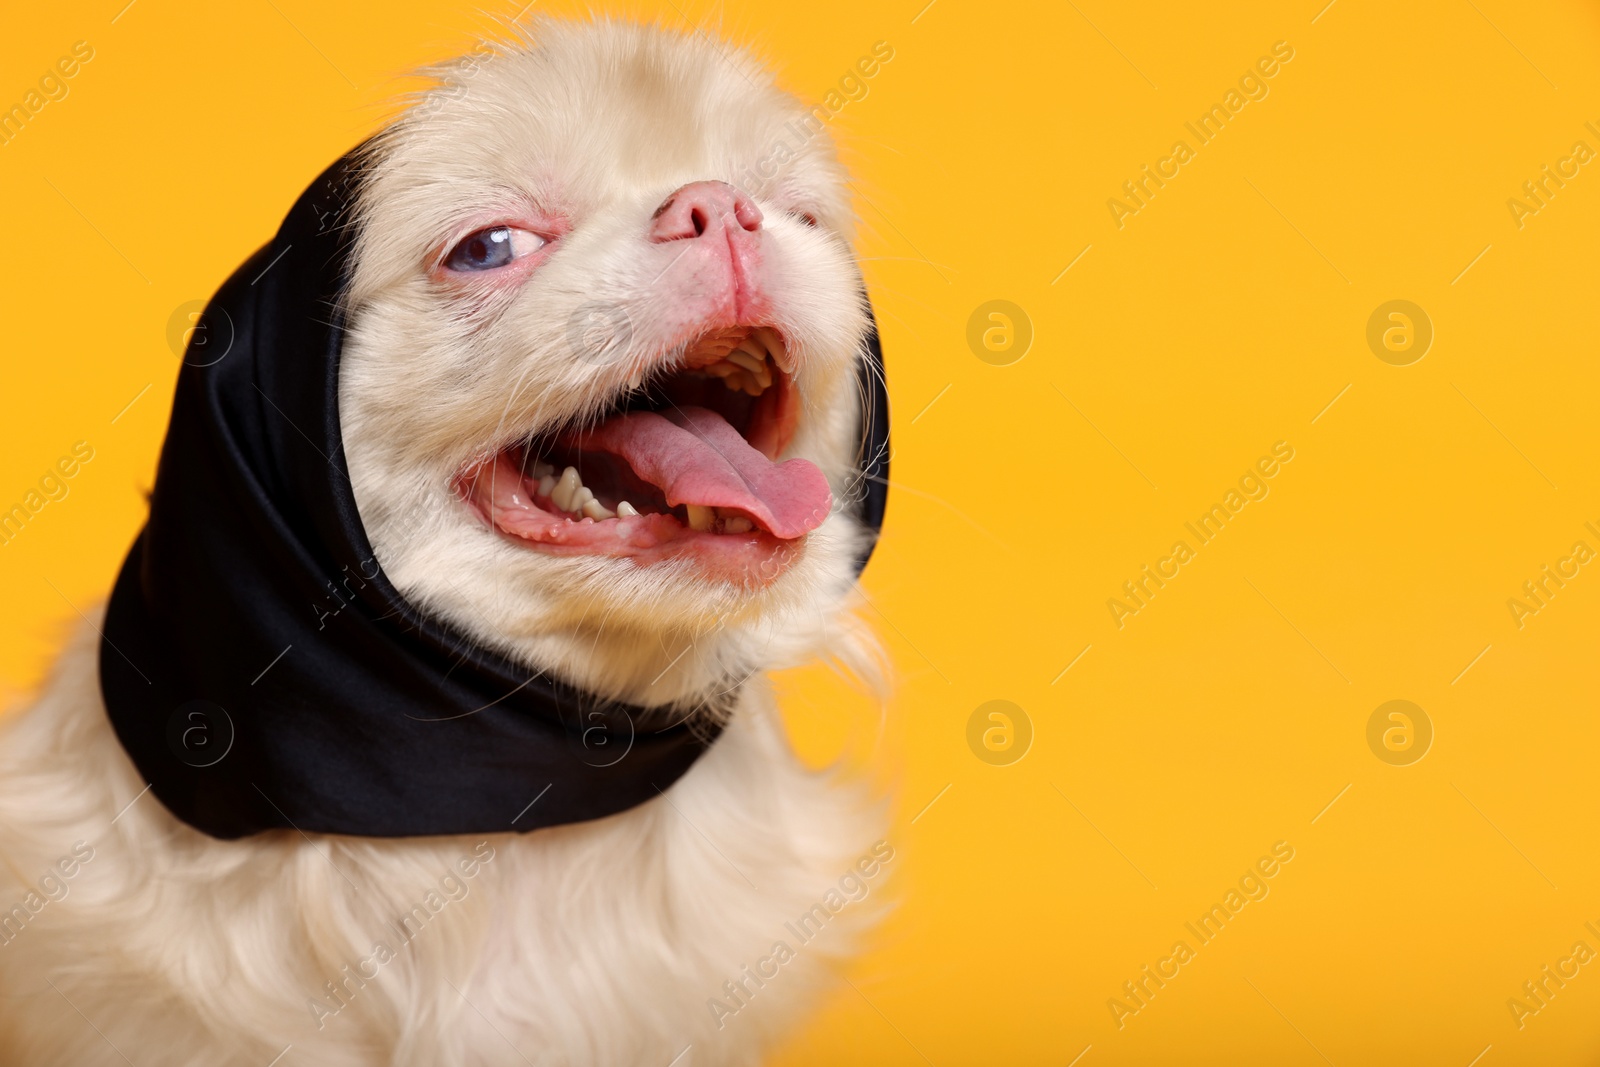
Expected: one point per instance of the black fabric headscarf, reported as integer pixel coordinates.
(257, 664)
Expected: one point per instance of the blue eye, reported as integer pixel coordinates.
(492, 248)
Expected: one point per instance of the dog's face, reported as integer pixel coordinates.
(601, 377)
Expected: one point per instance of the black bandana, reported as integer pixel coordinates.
(258, 666)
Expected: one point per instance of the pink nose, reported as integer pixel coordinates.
(702, 209)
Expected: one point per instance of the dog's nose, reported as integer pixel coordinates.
(703, 208)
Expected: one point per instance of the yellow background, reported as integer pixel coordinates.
(1223, 317)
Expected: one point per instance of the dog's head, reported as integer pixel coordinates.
(599, 396)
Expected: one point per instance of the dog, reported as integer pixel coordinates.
(575, 271)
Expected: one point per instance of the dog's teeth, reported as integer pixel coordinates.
(625, 509)
(769, 340)
(547, 485)
(748, 360)
(737, 525)
(581, 496)
(752, 358)
(743, 371)
(633, 383)
(542, 470)
(700, 518)
(596, 510)
(569, 484)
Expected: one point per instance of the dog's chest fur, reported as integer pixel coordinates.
(633, 940)
(595, 944)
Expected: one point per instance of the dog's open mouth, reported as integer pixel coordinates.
(683, 462)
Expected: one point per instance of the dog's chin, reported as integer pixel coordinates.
(676, 472)
(689, 592)
(613, 625)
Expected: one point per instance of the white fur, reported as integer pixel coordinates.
(594, 944)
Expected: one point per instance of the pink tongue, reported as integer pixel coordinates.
(694, 457)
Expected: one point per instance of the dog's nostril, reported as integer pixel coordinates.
(701, 208)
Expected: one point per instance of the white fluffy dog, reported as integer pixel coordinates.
(599, 176)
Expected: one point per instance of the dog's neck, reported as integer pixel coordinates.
(676, 668)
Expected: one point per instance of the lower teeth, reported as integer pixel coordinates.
(568, 493)
(713, 521)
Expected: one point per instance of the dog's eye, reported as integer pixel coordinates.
(808, 218)
(493, 247)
